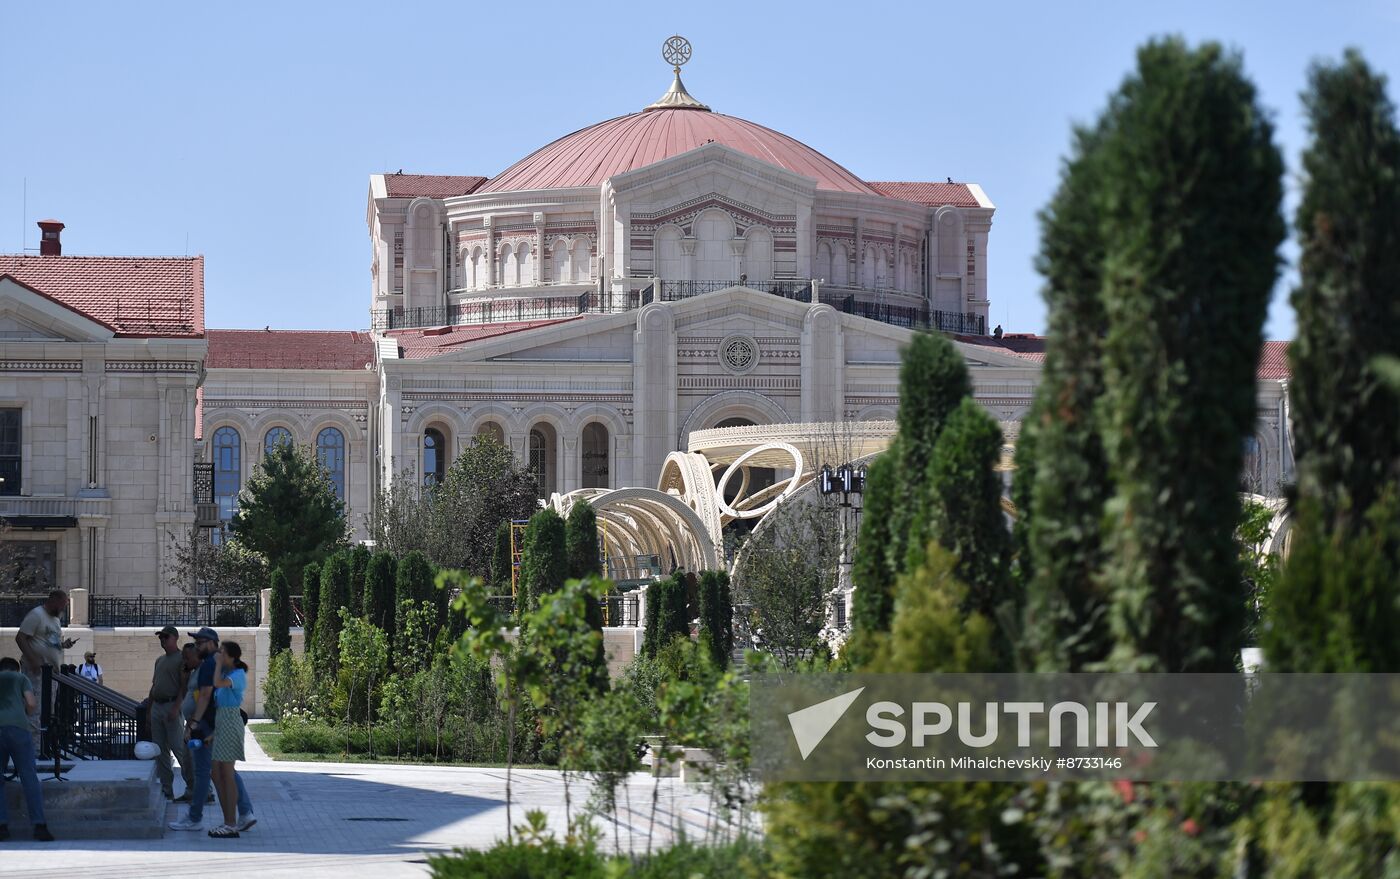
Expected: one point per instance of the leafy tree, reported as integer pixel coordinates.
(501, 562)
(311, 604)
(786, 573)
(454, 524)
(359, 565)
(380, 587)
(335, 595)
(716, 616)
(288, 511)
(544, 565)
(1062, 483)
(1258, 566)
(1346, 417)
(1191, 236)
(196, 566)
(280, 626)
(581, 541)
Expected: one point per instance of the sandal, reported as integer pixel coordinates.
(223, 831)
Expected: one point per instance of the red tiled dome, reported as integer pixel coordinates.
(591, 155)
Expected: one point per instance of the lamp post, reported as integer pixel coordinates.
(848, 481)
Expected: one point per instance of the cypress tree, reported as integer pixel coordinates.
(1336, 607)
(545, 565)
(380, 586)
(335, 595)
(581, 541)
(872, 603)
(414, 584)
(1062, 482)
(280, 626)
(1346, 419)
(667, 613)
(501, 562)
(359, 564)
(716, 616)
(310, 604)
(1192, 225)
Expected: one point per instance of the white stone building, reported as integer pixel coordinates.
(659, 273)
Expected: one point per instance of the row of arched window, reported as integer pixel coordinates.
(541, 454)
(711, 255)
(227, 445)
(516, 264)
(834, 264)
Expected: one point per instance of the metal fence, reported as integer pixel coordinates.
(194, 610)
(618, 610)
(86, 720)
(914, 317)
(14, 608)
(485, 311)
(789, 288)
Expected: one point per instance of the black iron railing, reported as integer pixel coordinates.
(621, 610)
(793, 288)
(203, 482)
(914, 317)
(195, 610)
(86, 720)
(14, 608)
(486, 311)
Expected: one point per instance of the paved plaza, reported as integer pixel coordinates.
(343, 819)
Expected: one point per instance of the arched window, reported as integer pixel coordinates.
(758, 255)
(228, 475)
(525, 260)
(559, 262)
(670, 261)
(330, 452)
(840, 266)
(542, 456)
(492, 431)
(882, 269)
(434, 457)
(477, 269)
(822, 270)
(582, 267)
(507, 269)
(1252, 471)
(714, 250)
(950, 246)
(595, 455)
(867, 268)
(277, 436)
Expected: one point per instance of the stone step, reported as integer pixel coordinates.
(110, 799)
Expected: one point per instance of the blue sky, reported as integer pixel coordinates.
(247, 131)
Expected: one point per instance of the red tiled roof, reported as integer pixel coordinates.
(591, 155)
(932, 194)
(289, 349)
(160, 296)
(430, 185)
(1273, 358)
(1273, 361)
(420, 344)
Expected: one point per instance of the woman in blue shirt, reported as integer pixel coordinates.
(230, 680)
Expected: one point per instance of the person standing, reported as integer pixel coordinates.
(167, 728)
(91, 670)
(41, 643)
(230, 682)
(200, 727)
(17, 702)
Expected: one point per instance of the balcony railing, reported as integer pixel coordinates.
(194, 610)
(788, 288)
(52, 507)
(914, 317)
(87, 720)
(14, 608)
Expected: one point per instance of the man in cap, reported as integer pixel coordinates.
(167, 730)
(200, 725)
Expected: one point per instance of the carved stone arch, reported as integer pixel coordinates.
(421, 222)
(248, 438)
(877, 412)
(951, 253)
(669, 253)
(281, 418)
(425, 415)
(353, 432)
(603, 413)
(511, 423)
(731, 404)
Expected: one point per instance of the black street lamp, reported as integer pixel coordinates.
(845, 480)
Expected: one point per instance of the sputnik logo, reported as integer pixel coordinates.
(811, 724)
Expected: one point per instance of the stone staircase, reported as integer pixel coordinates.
(100, 799)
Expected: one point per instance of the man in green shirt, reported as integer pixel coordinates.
(16, 702)
(41, 643)
(167, 727)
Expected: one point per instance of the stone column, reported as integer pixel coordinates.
(78, 608)
(540, 273)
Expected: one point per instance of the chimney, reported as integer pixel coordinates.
(50, 244)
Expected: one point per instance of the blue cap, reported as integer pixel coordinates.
(205, 634)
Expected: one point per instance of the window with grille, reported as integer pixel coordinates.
(10, 452)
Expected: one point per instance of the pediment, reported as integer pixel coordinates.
(713, 167)
(28, 314)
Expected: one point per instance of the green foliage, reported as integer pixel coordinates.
(934, 630)
(872, 603)
(454, 524)
(310, 604)
(544, 564)
(501, 563)
(581, 541)
(1191, 231)
(786, 573)
(413, 587)
(335, 594)
(291, 689)
(744, 858)
(717, 616)
(288, 511)
(1258, 566)
(195, 564)
(279, 628)
(666, 616)
(380, 588)
(359, 568)
(364, 663)
(1062, 482)
(1346, 417)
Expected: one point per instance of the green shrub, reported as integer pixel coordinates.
(280, 626)
(291, 688)
(532, 858)
(716, 615)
